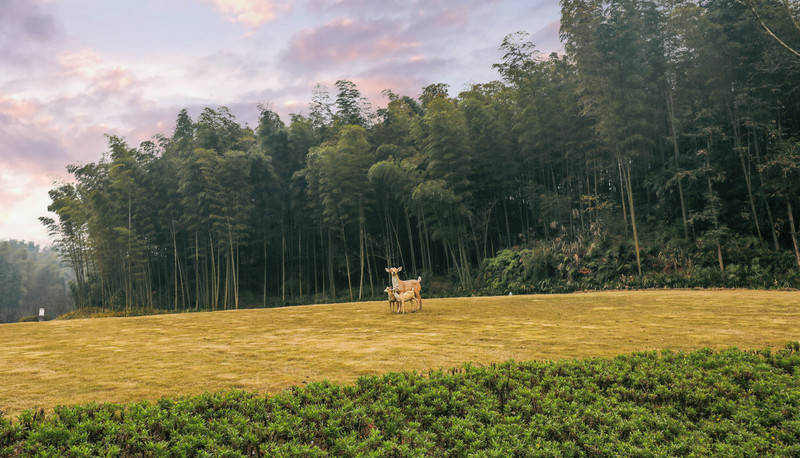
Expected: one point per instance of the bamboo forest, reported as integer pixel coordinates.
(661, 148)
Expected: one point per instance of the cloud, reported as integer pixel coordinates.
(547, 40)
(85, 63)
(24, 199)
(38, 26)
(91, 69)
(47, 129)
(442, 12)
(24, 29)
(252, 13)
(451, 16)
(16, 108)
(24, 20)
(31, 140)
(358, 5)
(227, 65)
(408, 40)
(404, 77)
(344, 41)
(90, 90)
(372, 87)
(36, 144)
(23, 143)
(376, 54)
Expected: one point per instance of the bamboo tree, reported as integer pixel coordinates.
(676, 157)
(629, 187)
(792, 230)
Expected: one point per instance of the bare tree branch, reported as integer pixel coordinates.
(752, 7)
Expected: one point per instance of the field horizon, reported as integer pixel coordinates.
(267, 350)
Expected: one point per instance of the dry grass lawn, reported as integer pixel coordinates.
(266, 350)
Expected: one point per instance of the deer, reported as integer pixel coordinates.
(402, 286)
(392, 300)
(400, 298)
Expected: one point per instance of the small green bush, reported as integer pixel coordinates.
(731, 402)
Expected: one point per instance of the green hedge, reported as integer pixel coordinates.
(727, 403)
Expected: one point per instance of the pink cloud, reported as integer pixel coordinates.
(393, 45)
(85, 63)
(30, 159)
(345, 41)
(23, 141)
(407, 76)
(252, 13)
(35, 148)
(352, 5)
(372, 86)
(88, 67)
(403, 77)
(546, 39)
(442, 12)
(23, 200)
(17, 108)
(452, 17)
(115, 80)
(31, 141)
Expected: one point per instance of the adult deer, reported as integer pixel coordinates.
(402, 286)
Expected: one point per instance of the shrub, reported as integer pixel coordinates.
(606, 263)
(729, 402)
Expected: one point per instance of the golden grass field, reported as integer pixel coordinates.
(266, 350)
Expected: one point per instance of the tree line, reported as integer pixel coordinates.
(31, 278)
(664, 122)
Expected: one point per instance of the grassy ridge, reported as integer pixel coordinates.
(728, 403)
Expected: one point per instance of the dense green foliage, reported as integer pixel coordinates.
(31, 278)
(558, 266)
(704, 403)
(668, 133)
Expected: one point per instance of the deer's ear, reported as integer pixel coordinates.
(387, 269)
(400, 268)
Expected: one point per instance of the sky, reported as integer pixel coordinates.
(74, 71)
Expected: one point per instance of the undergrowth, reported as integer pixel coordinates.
(605, 263)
